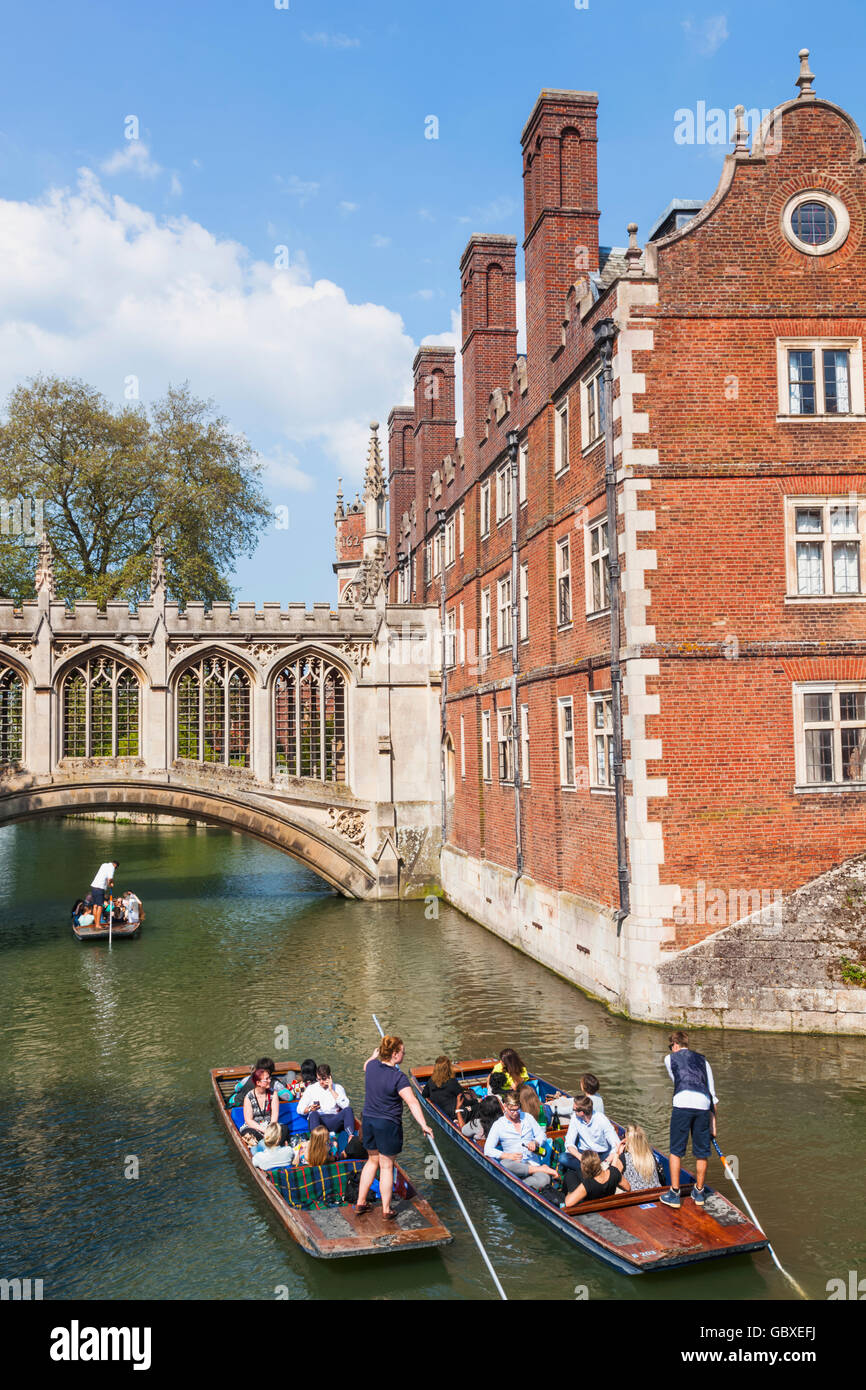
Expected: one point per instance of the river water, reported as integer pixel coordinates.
(105, 1055)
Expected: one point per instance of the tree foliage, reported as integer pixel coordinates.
(113, 480)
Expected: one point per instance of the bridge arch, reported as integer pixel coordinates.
(340, 864)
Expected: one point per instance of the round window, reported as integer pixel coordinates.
(815, 222)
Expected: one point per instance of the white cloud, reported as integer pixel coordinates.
(331, 40)
(707, 35)
(302, 189)
(424, 294)
(347, 208)
(283, 471)
(133, 158)
(176, 187)
(380, 241)
(93, 286)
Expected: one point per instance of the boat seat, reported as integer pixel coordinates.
(288, 1116)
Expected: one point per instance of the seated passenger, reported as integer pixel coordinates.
(513, 1140)
(284, 1091)
(586, 1130)
(443, 1088)
(309, 1072)
(131, 906)
(489, 1111)
(589, 1085)
(529, 1102)
(511, 1065)
(640, 1165)
(326, 1103)
(261, 1106)
(274, 1154)
(316, 1150)
(597, 1180)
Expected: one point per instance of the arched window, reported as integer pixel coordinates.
(310, 720)
(11, 715)
(100, 710)
(213, 713)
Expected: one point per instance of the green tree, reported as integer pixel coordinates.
(113, 480)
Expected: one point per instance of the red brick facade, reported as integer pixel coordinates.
(717, 633)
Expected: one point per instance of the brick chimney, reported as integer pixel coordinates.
(560, 198)
(401, 477)
(489, 317)
(435, 422)
(350, 524)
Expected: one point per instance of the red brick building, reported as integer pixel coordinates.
(734, 439)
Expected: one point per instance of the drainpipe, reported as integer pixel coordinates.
(440, 517)
(605, 334)
(512, 439)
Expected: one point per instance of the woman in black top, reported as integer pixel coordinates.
(596, 1181)
(443, 1088)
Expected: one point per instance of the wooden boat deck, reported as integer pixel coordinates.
(332, 1232)
(632, 1231)
(118, 933)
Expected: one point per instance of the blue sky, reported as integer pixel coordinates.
(304, 128)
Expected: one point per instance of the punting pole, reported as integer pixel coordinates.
(110, 912)
(730, 1173)
(467, 1218)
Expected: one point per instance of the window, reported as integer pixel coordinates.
(11, 716)
(461, 529)
(563, 582)
(462, 746)
(437, 553)
(818, 377)
(403, 583)
(815, 222)
(524, 602)
(522, 462)
(824, 546)
(566, 742)
(503, 612)
(524, 744)
(213, 713)
(484, 512)
(100, 710)
(310, 720)
(831, 743)
(485, 623)
(598, 569)
(449, 542)
(592, 414)
(503, 494)
(486, 752)
(560, 443)
(505, 744)
(450, 638)
(428, 562)
(601, 740)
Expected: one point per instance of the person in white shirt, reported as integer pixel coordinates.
(588, 1129)
(104, 876)
(274, 1154)
(693, 1113)
(514, 1140)
(326, 1103)
(131, 906)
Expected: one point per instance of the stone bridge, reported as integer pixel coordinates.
(313, 730)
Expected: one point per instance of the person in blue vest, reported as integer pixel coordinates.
(693, 1112)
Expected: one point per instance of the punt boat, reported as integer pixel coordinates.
(631, 1231)
(312, 1204)
(118, 930)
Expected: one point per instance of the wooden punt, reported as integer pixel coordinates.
(118, 932)
(336, 1231)
(633, 1231)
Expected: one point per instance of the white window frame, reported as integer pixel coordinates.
(598, 523)
(461, 650)
(485, 636)
(484, 509)
(449, 542)
(403, 583)
(603, 699)
(428, 561)
(503, 612)
(504, 745)
(591, 422)
(437, 554)
(503, 494)
(835, 689)
(450, 638)
(826, 539)
(524, 602)
(486, 748)
(524, 745)
(563, 572)
(854, 348)
(566, 740)
(462, 747)
(560, 465)
(522, 466)
(461, 529)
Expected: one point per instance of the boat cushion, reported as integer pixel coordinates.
(288, 1116)
(305, 1188)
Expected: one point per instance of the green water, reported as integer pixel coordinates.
(105, 1055)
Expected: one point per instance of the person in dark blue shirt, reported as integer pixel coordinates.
(386, 1090)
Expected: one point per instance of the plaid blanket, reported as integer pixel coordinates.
(305, 1187)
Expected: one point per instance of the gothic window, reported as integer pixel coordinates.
(100, 699)
(11, 715)
(213, 713)
(310, 720)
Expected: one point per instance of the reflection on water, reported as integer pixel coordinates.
(106, 1055)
